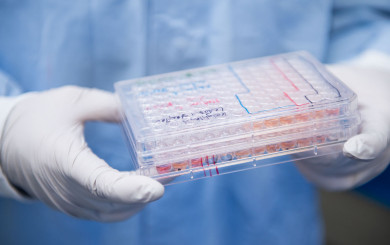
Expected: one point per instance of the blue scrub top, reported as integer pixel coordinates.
(46, 44)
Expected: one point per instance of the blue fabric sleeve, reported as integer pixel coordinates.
(359, 26)
(8, 86)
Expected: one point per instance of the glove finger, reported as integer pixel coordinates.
(95, 104)
(365, 146)
(80, 202)
(109, 213)
(373, 139)
(118, 215)
(111, 185)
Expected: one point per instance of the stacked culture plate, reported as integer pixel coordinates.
(226, 118)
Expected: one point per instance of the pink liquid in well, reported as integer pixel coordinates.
(333, 112)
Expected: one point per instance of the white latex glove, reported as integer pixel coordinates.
(43, 152)
(367, 154)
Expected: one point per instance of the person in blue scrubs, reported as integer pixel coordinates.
(49, 44)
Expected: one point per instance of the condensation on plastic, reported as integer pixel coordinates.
(235, 116)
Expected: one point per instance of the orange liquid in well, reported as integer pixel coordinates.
(286, 120)
(259, 150)
(287, 145)
(271, 123)
(243, 154)
(319, 114)
(258, 125)
(272, 148)
(303, 117)
(179, 165)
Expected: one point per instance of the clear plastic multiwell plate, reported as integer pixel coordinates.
(240, 115)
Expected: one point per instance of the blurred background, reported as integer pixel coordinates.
(361, 216)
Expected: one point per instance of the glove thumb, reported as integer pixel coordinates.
(112, 185)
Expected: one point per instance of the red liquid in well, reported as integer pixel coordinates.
(165, 168)
(197, 162)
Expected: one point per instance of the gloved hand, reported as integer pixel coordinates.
(367, 154)
(44, 153)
